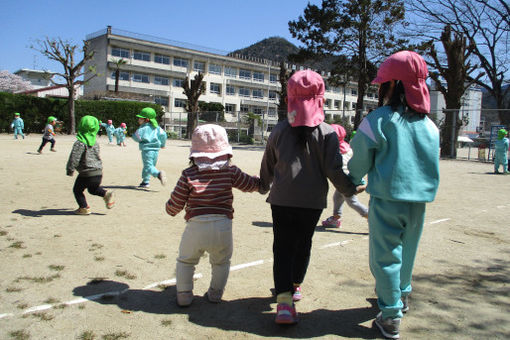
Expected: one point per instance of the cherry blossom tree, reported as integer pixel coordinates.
(13, 83)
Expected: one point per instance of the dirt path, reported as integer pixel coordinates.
(56, 267)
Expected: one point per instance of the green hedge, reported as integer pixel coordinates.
(34, 111)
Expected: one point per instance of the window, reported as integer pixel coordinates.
(335, 89)
(231, 108)
(258, 76)
(271, 112)
(258, 93)
(161, 80)
(244, 92)
(272, 95)
(244, 74)
(178, 82)
(354, 92)
(273, 78)
(139, 55)
(141, 78)
(122, 75)
(258, 110)
(199, 66)
(120, 52)
(215, 88)
(231, 90)
(180, 62)
(336, 104)
(370, 95)
(162, 59)
(163, 101)
(347, 105)
(328, 103)
(245, 108)
(179, 102)
(230, 72)
(214, 69)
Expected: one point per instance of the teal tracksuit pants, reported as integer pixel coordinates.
(395, 231)
(149, 159)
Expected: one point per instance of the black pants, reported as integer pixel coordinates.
(293, 230)
(93, 184)
(45, 141)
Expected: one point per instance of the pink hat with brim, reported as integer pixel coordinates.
(305, 99)
(211, 141)
(410, 68)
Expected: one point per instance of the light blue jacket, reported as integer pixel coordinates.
(18, 123)
(149, 137)
(400, 153)
(109, 128)
(501, 148)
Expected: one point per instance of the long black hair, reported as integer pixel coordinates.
(397, 99)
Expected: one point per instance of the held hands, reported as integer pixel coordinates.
(360, 188)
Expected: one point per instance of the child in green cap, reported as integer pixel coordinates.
(500, 152)
(49, 132)
(17, 125)
(150, 138)
(85, 159)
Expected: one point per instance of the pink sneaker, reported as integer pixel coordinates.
(332, 222)
(297, 294)
(285, 314)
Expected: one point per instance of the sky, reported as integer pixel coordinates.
(225, 25)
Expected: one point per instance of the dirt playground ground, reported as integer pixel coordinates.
(111, 275)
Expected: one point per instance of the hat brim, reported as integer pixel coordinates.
(212, 155)
(140, 116)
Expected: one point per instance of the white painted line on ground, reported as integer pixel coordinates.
(246, 265)
(37, 308)
(439, 221)
(335, 244)
(5, 315)
(501, 206)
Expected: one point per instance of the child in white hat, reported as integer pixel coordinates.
(205, 191)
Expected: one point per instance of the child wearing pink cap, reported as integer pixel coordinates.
(120, 134)
(335, 220)
(397, 145)
(205, 191)
(301, 155)
(110, 129)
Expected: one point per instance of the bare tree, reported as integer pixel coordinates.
(65, 52)
(283, 78)
(193, 89)
(485, 24)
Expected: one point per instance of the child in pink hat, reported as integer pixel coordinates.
(335, 220)
(204, 190)
(300, 156)
(397, 145)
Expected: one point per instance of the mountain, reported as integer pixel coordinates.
(279, 49)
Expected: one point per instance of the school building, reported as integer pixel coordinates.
(155, 69)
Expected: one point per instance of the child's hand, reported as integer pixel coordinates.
(360, 188)
(70, 173)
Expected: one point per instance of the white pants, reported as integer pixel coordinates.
(205, 233)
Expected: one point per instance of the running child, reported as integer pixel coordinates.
(86, 160)
(110, 129)
(17, 125)
(205, 191)
(48, 135)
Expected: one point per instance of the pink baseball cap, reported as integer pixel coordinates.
(305, 99)
(109, 121)
(410, 68)
(211, 141)
(122, 124)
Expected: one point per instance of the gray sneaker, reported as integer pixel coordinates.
(214, 295)
(390, 328)
(405, 301)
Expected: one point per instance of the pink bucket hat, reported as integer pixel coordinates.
(410, 68)
(123, 125)
(341, 133)
(110, 121)
(211, 141)
(305, 99)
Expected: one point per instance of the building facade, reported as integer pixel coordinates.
(154, 70)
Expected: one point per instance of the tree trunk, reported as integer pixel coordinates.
(117, 75)
(72, 120)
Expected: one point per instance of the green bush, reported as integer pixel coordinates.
(172, 135)
(35, 111)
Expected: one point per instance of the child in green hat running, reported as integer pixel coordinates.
(49, 132)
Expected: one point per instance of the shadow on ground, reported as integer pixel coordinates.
(47, 212)
(251, 315)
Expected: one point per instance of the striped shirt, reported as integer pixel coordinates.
(209, 192)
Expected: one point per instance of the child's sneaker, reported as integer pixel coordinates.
(109, 199)
(297, 294)
(405, 301)
(332, 222)
(389, 327)
(53, 150)
(39, 151)
(82, 211)
(144, 185)
(285, 314)
(214, 295)
(162, 177)
(184, 299)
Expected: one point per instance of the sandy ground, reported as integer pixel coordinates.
(62, 275)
